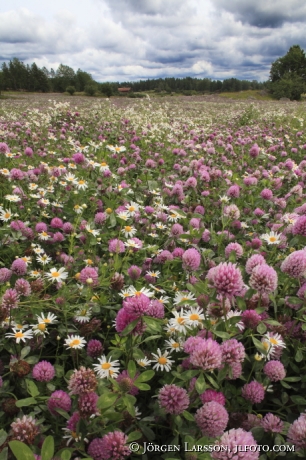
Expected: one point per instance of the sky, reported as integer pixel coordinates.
(131, 40)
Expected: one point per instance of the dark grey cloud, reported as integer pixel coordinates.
(265, 13)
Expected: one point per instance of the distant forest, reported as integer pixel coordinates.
(17, 76)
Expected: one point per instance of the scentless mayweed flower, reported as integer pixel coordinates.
(173, 399)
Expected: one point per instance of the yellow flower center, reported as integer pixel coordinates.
(41, 327)
(180, 320)
(273, 341)
(194, 317)
(74, 343)
(106, 366)
(103, 163)
(272, 239)
(7, 215)
(81, 182)
(19, 335)
(162, 360)
(131, 208)
(175, 345)
(128, 228)
(108, 210)
(55, 274)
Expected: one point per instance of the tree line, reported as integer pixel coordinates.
(17, 76)
(287, 79)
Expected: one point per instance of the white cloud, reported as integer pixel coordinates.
(132, 39)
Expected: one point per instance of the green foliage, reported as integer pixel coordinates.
(290, 86)
(90, 89)
(106, 88)
(288, 74)
(21, 450)
(249, 115)
(70, 90)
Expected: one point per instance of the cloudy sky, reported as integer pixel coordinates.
(125, 40)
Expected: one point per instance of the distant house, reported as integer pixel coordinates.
(124, 90)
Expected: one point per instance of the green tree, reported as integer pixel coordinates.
(38, 79)
(82, 79)
(65, 76)
(288, 74)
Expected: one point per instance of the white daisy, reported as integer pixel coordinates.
(271, 238)
(20, 335)
(179, 321)
(56, 275)
(40, 329)
(132, 244)
(13, 198)
(155, 274)
(43, 236)
(272, 342)
(183, 297)
(75, 342)
(49, 319)
(92, 231)
(128, 231)
(162, 361)
(132, 208)
(144, 362)
(81, 184)
(5, 215)
(174, 345)
(107, 368)
(103, 166)
(43, 259)
(135, 293)
(194, 316)
(83, 315)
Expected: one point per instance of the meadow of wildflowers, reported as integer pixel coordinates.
(152, 280)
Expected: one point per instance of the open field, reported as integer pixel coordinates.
(152, 278)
